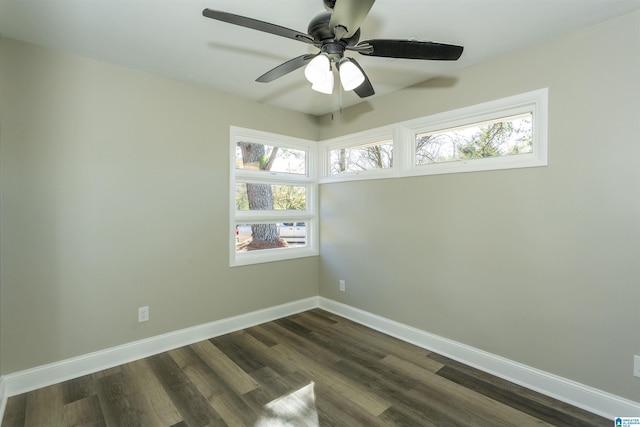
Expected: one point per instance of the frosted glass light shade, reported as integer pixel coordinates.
(350, 75)
(318, 69)
(325, 86)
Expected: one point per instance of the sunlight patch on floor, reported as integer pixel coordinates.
(295, 409)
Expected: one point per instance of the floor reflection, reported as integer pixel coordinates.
(295, 409)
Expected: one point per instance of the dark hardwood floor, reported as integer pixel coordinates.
(309, 369)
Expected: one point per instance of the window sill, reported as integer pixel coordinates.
(271, 255)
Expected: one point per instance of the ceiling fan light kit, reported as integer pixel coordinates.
(320, 74)
(333, 33)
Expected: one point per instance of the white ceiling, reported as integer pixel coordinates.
(173, 39)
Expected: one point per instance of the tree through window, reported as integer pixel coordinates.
(274, 193)
(497, 138)
(378, 155)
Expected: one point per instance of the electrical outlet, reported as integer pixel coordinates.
(636, 366)
(143, 314)
(343, 286)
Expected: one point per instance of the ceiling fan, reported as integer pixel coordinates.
(334, 32)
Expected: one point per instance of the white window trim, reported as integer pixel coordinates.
(404, 136)
(371, 136)
(310, 215)
(535, 102)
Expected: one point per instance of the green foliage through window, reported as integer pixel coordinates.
(503, 137)
(285, 197)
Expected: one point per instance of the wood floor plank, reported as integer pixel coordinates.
(528, 401)
(337, 343)
(244, 359)
(425, 376)
(116, 401)
(249, 345)
(44, 407)
(193, 407)
(227, 369)
(386, 344)
(78, 389)
(316, 319)
(83, 412)
(407, 368)
(472, 408)
(233, 410)
(358, 356)
(301, 343)
(259, 335)
(155, 407)
(410, 417)
(15, 411)
(335, 410)
(357, 393)
(231, 407)
(295, 327)
(201, 375)
(399, 396)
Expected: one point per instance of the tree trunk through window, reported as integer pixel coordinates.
(260, 196)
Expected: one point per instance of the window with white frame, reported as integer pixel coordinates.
(501, 134)
(504, 136)
(362, 156)
(273, 197)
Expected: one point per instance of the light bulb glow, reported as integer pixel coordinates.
(350, 75)
(318, 69)
(325, 86)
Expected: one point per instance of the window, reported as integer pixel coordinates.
(273, 198)
(362, 156)
(506, 136)
(502, 134)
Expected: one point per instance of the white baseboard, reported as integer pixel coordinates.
(588, 398)
(582, 396)
(3, 398)
(42, 376)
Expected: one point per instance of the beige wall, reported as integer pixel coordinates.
(115, 195)
(539, 265)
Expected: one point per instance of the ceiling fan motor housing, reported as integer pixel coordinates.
(319, 27)
(320, 31)
(329, 4)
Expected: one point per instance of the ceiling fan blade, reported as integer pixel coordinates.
(255, 24)
(347, 17)
(286, 68)
(365, 89)
(411, 49)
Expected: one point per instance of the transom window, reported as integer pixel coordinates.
(502, 134)
(365, 155)
(376, 155)
(495, 138)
